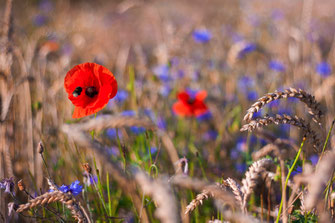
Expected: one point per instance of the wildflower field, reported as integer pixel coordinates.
(167, 111)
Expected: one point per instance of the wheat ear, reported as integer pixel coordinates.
(253, 177)
(308, 99)
(236, 189)
(285, 119)
(76, 209)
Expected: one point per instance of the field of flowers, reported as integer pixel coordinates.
(167, 111)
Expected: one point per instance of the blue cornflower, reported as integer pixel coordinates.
(137, 130)
(162, 72)
(201, 35)
(247, 48)
(245, 82)
(276, 66)
(241, 167)
(64, 188)
(40, 20)
(324, 69)
(128, 113)
(121, 95)
(252, 95)
(76, 188)
(45, 6)
(210, 135)
(165, 90)
(111, 133)
(161, 123)
(314, 159)
(205, 116)
(153, 150)
(298, 170)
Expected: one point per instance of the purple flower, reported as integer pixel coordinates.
(314, 159)
(324, 69)
(45, 6)
(205, 116)
(64, 188)
(241, 167)
(111, 133)
(210, 135)
(137, 130)
(252, 95)
(165, 90)
(298, 170)
(276, 66)
(76, 188)
(247, 48)
(245, 82)
(7, 184)
(162, 72)
(161, 123)
(121, 95)
(153, 150)
(128, 113)
(201, 35)
(40, 20)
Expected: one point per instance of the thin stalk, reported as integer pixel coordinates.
(288, 177)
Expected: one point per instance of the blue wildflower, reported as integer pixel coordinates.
(76, 188)
(298, 170)
(162, 72)
(165, 90)
(324, 69)
(201, 35)
(137, 130)
(153, 150)
(210, 135)
(64, 188)
(314, 159)
(245, 82)
(121, 95)
(205, 116)
(252, 95)
(128, 113)
(247, 48)
(161, 123)
(241, 167)
(40, 20)
(45, 6)
(276, 66)
(111, 133)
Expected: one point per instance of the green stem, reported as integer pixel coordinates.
(288, 177)
(327, 139)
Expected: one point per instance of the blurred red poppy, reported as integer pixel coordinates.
(89, 87)
(190, 105)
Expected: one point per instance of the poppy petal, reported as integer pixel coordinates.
(183, 96)
(182, 109)
(201, 95)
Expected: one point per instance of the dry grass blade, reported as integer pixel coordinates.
(109, 121)
(236, 189)
(309, 100)
(162, 194)
(254, 177)
(67, 199)
(285, 119)
(319, 180)
(205, 194)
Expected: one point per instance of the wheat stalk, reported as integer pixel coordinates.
(285, 119)
(308, 99)
(67, 199)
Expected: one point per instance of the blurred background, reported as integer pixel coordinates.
(235, 50)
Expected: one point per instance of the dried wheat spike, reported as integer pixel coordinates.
(205, 194)
(52, 185)
(77, 211)
(285, 119)
(236, 189)
(309, 100)
(253, 177)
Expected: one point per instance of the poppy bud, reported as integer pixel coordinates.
(21, 185)
(87, 167)
(40, 147)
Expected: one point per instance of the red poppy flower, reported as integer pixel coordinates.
(189, 105)
(89, 87)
